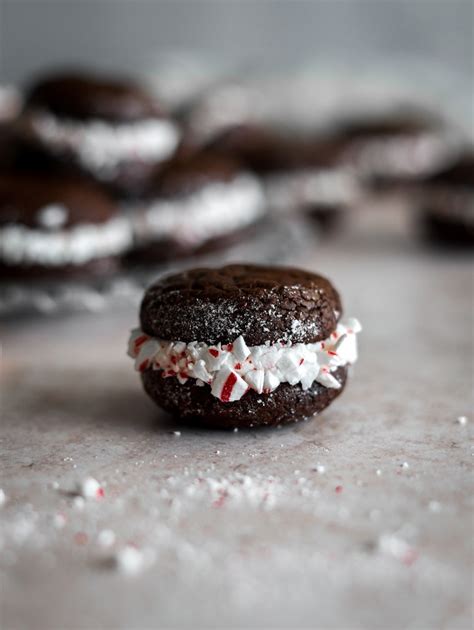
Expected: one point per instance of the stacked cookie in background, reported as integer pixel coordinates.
(326, 168)
(95, 176)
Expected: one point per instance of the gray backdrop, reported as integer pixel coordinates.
(126, 34)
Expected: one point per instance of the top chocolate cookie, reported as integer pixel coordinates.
(80, 96)
(260, 303)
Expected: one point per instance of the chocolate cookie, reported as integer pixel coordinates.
(299, 172)
(194, 202)
(111, 129)
(243, 345)
(401, 145)
(447, 203)
(55, 227)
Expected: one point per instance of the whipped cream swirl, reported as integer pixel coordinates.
(101, 147)
(232, 369)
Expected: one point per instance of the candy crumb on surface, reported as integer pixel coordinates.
(3, 497)
(89, 488)
(106, 538)
(129, 560)
(79, 503)
(59, 520)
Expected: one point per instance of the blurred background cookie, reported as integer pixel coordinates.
(403, 143)
(447, 203)
(57, 227)
(203, 200)
(109, 128)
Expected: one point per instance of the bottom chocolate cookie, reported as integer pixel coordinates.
(285, 404)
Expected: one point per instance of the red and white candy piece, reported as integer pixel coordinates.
(146, 354)
(89, 488)
(137, 338)
(228, 385)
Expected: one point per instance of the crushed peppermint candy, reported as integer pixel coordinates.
(233, 369)
(106, 538)
(79, 503)
(130, 560)
(392, 545)
(89, 488)
(59, 520)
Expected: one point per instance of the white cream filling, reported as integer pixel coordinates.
(22, 245)
(405, 155)
(304, 187)
(232, 369)
(215, 210)
(101, 147)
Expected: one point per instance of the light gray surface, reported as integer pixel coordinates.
(283, 548)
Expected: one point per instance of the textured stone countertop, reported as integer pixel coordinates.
(360, 518)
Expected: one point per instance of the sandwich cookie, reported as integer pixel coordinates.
(201, 201)
(58, 227)
(447, 203)
(110, 128)
(243, 345)
(299, 173)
